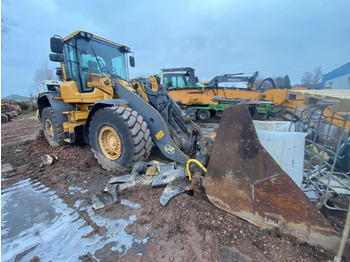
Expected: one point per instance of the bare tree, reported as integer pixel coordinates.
(317, 77)
(306, 80)
(312, 80)
(6, 24)
(44, 72)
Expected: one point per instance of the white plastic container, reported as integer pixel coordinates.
(286, 148)
(279, 126)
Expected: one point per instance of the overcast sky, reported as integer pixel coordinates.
(213, 36)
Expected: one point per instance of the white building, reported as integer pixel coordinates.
(338, 78)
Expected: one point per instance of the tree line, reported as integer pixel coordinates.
(309, 80)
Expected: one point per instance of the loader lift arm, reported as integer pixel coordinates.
(239, 77)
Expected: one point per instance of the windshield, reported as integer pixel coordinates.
(176, 80)
(95, 56)
(101, 58)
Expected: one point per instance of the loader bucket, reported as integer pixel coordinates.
(243, 179)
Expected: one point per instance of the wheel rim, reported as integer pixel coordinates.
(203, 115)
(110, 142)
(49, 129)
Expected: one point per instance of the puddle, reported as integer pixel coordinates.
(130, 204)
(36, 222)
(73, 189)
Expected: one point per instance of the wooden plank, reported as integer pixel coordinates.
(322, 92)
(331, 92)
(340, 99)
(343, 95)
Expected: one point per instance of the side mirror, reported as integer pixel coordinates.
(132, 61)
(56, 57)
(56, 45)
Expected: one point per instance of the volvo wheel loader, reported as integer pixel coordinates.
(120, 119)
(95, 102)
(204, 100)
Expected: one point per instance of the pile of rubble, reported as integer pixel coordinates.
(9, 111)
(154, 173)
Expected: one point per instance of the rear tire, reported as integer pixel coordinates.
(119, 138)
(203, 114)
(53, 132)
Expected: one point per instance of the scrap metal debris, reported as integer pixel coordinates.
(125, 181)
(111, 189)
(7, 171)
(97, 202)
(6, 168)
(173, 189)
(165, 178)
(166, 167)
(156, 174)
(152, 171)
(139, 167)
(122, 179)
(46, 160)
(153, 163)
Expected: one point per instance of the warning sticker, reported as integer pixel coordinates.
(160, 134)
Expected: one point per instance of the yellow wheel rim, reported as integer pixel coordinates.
(49, 128)
(110, 142)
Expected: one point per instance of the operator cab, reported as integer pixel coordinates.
(84, 56)
(176, 78)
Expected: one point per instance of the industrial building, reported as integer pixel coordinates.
(338, 78)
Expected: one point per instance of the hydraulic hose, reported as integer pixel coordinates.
(188, 167)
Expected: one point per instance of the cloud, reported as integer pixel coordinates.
(215, 37)
(48, 7)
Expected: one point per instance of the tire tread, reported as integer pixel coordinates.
(140, 135)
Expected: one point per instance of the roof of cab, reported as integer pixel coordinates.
(93, 36)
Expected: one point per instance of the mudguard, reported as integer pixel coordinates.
(98, 105)
(58, 106)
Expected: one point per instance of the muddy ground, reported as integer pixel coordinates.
(189, 228)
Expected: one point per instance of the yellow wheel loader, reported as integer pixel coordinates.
(120, 120)
(204, 101)
(95, 102)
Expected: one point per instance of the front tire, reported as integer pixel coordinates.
(119, 138)
(53, 132)
(203, 114)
